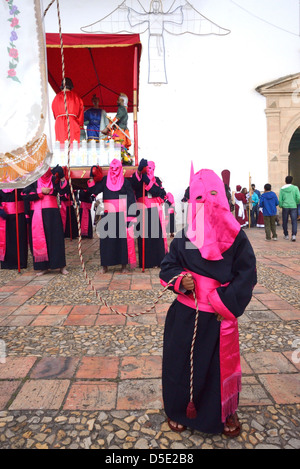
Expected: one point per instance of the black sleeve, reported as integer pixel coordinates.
(234, 297)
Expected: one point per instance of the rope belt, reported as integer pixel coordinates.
(65, 115)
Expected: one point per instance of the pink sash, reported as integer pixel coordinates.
(131, 247)
(2, 238)
(230, 368)
(115, 205)
(120, 205)
(85, 216)
(10, 209)
(63, 211)
(39, 245)
(156, 202)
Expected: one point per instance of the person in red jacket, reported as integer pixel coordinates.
(240, 201)
(75, 111)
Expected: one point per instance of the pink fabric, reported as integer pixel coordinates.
(131, 247)
(39, 245)
(11, 209)
(63, 211)
(156, 202)
(85, 217)
(120, 205)
(115, 176)
(211, 226)
(150, 202)
(163, 227)
(2, 238)
(170, 198)
(150, 171)
(230, 368)
(115, 205)
(45, 180)
(138, 176)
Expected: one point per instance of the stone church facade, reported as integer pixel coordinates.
(283, 129)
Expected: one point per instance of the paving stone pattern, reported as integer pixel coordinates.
(75, 374)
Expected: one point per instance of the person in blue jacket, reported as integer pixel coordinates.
(269, 202)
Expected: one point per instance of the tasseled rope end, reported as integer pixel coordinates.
(191, 411)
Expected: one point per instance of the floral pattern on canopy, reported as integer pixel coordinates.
(24, 149)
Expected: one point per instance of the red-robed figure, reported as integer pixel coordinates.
(75, 111)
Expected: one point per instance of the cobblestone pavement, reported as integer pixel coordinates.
(74, 374)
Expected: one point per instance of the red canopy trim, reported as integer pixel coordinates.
(101, 64)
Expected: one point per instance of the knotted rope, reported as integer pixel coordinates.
(191, 411)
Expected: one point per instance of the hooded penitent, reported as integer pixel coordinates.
(150, 171)
(39, 244)
(45, 180)
(211, 226)
(96, 173)
(115, 176)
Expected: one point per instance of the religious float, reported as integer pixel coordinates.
(96, 64)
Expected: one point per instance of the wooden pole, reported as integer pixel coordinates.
(249, 201)
(143, 239)
(17, 230)
(70, 221)
(135, 104)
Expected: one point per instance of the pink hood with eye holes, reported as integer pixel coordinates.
(212, 228)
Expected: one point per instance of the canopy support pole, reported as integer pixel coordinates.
(135, 86)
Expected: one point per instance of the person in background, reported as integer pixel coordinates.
(240, 202)
(255, 196)
(75, 111)
(298, 211)
(170, 215)
(85, 200)
(116, 229)
(95, 120)
(121, 119)
(269, 202)
(67, 209)
(289, 198)
(46, 234)
(153, 234)
(254, 210)
(10, 239)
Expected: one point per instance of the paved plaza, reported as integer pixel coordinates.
(76, 374)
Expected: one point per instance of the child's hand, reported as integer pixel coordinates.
(187, 282)
(46, 190)
(219, 317)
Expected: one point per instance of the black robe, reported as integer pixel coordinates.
(238, 267)
(113, 226)
(53, 229)
(170, 216)
(84, 196)
(11, 254)
(154, 239)
(71, 226)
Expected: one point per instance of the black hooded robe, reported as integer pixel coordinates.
(11, 254)
(238, 267)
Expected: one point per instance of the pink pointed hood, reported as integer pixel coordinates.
(211, 226)
(115, 176)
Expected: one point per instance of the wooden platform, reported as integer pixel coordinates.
(80, 174)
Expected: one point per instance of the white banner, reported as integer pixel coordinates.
(24, 152)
